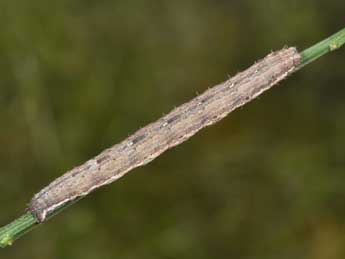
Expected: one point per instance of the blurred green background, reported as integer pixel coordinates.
(267, 182)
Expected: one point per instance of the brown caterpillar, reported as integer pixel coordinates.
(176, 127)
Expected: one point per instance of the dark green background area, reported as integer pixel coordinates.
(79, 76)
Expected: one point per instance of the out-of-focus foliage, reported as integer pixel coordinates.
(267, 182)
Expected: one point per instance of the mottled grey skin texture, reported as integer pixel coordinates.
(176, 127)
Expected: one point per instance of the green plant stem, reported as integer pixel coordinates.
(318, 50)
(25, 223)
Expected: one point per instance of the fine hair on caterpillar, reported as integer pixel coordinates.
(171, 130)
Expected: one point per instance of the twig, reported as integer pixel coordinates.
(25, 223)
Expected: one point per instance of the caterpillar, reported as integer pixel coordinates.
(174, 128)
